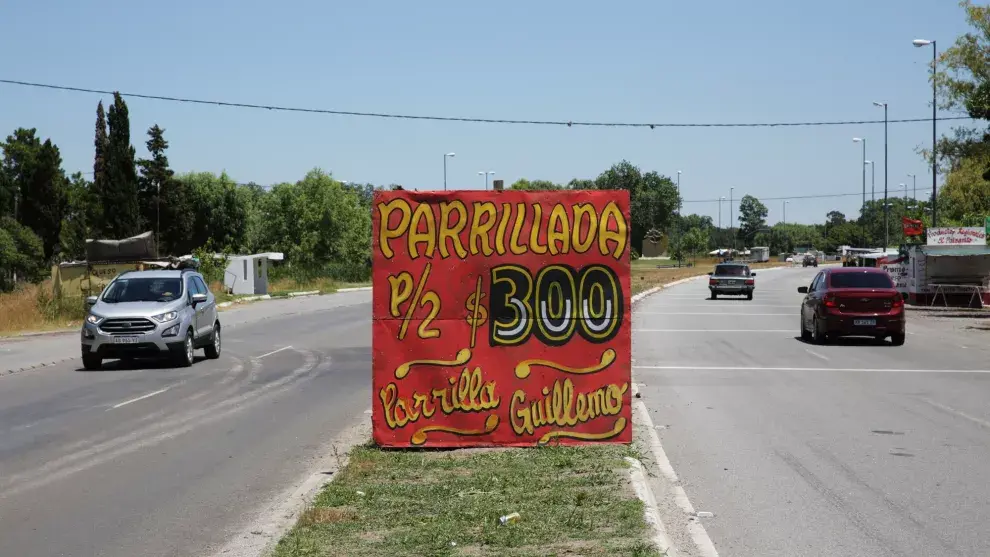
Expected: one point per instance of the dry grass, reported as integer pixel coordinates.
(31, 308)
(645, 274)
(572, 501)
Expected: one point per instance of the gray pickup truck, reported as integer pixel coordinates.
(732, 279)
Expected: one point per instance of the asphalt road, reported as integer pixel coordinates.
(851, 449)
(149, 460)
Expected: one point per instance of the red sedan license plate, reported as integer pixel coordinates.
(865, 322)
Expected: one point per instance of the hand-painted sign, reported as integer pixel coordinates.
(501, 318)
(957, 236)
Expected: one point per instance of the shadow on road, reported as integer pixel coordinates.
(136, 364)
(846, 341)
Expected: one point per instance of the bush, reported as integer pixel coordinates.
(60, 308)
(340, 272)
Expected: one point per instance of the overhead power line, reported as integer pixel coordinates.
(568, 123)
(781, 198)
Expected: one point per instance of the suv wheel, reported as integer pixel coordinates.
(186, 357)
(92, 362)
(213, 349)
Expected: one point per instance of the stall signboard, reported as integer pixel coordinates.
(957, 236)
(501, 318)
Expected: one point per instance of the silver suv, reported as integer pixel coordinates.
(151, 314)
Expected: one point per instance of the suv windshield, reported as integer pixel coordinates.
(732, 271)
(861, 280)
(143, 290)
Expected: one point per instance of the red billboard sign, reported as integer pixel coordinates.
(501, 318)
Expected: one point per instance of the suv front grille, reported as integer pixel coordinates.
(134, 326)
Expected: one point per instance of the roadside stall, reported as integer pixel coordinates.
(953, 269)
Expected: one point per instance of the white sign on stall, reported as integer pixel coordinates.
(957, 236)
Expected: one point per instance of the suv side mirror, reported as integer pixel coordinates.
(802, 289)
(198, 299)
(710, 274)
(91, 300)
(752, 274)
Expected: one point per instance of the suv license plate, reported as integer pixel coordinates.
(125, 340)
(865, 322)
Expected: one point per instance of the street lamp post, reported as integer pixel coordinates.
(445, 169)
(731, 220)
(886, 207)
(677, 224)
(863, 141)
(914, 193)
(486, 175)
(785, 212)
(720, 200)
(921, 43)
(903, 185)
(873, 181)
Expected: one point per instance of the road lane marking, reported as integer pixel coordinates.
(712, 331)
(815, 354)
(952, 410)
(272, 352)
(142, 397)
(696, 531)
(791, 314)
(847, 369)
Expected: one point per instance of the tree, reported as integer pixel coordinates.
(34, 170)
(965, 197)
(752, 215)
(577, 184)
(44, 201)
(695, 241)
(121, 191)
(76, 226)
(835, 218)
(220, 211)
(99, 191)
(962, 84)
(155, 176)
(535, 185)
(21, 254)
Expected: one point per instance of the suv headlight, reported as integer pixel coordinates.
(166, 317)
(93, 319)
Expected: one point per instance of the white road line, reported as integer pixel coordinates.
(791, 314)
(712, 331)
(695, 529)
(959, 413)
(846, 369)
(149, 395)
(272, 352)
(815, 354)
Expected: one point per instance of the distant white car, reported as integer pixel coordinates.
(789, 260)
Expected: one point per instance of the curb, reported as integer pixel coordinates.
(650, 512)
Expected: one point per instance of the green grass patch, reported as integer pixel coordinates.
(572, 501)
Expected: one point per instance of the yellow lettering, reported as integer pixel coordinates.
(503, 225)
(517, 226)
(558, 219)
(582, 210)
(617, 236)
(400, 288)
(423, 214)
(385, 232)
(534, 231)
(479, 230)
(561, 407)
(454, 234)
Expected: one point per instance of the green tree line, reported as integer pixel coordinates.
(321, 224)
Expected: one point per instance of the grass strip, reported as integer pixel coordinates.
(574, 501)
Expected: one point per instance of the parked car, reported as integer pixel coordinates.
(852, 301)
(732, 279)
(140, 314)
(809, 260)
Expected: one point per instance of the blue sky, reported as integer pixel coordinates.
(633, 61)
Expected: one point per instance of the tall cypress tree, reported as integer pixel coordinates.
(121, 208)
(166, 208)
(99, 187)
(45, 198)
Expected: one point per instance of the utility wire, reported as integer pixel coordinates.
(474, 120)
(787, 197)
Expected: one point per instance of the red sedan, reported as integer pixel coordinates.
(852, 301)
